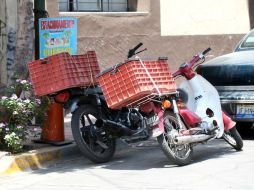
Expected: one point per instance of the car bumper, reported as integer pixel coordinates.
(239, 105)
(231, 109)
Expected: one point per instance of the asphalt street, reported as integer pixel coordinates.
(143, 166)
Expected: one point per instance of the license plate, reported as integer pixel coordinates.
(245, 111)
(153, 120)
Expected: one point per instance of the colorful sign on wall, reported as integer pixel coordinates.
(57, 35)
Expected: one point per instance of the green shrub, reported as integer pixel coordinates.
(16, 113)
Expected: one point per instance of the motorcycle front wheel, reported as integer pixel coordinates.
(95, 143)
(179, 154)
(233, 138)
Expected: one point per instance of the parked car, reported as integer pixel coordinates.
(233, 76)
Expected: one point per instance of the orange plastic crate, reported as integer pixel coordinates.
(63, 71)
(129, 82)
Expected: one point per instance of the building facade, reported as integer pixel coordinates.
(16, 38)
(176, 29)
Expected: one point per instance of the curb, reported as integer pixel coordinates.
(35, 159)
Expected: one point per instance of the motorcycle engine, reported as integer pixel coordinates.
(130, 118)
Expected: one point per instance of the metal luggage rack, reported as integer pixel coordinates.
(151, 97)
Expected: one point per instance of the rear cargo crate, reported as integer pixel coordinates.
(63, 71)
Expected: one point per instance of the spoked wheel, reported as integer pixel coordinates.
(233, 138)
(95, 143)
(179, 154)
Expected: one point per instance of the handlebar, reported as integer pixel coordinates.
(189, 65)
(137, 46)
(133, 50)
(206, 51)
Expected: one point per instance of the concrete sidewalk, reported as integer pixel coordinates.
(43, 154)
(39, 155)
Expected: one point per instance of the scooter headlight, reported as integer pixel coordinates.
(166, 104)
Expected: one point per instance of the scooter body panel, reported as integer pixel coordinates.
(201, 96)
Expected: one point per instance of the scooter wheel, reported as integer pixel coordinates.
(233, 138)
(179, 154)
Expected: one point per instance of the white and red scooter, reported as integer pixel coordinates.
(197, 116)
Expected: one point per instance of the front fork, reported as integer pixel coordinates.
(159, 128)
(176, 111)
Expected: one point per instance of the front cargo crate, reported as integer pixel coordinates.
(126, 83)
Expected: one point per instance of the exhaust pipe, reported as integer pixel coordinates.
(118, 128)
(192, 138)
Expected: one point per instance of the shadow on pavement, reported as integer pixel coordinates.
(140, 158)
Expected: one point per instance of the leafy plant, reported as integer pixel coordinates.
(16, 113)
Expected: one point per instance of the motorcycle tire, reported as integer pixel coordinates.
(179, 154)
(233, 138)
(86, 135)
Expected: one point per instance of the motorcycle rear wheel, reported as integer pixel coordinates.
(95, 143)
(233, 138)
(179, 154)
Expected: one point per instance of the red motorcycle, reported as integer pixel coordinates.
(140, 101)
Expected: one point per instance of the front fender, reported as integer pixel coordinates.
(228, 122)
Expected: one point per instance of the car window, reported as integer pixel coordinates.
(248, 41)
